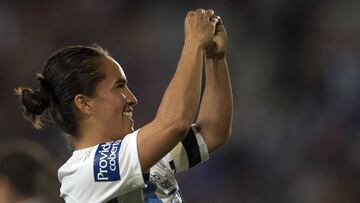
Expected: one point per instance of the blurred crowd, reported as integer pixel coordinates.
(295, 70)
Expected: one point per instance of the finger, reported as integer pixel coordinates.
(200, 11)
(217, 17)
(190, 13)
(220, 26)
(214, 20)
(209, 14)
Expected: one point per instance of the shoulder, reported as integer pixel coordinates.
(107, 170)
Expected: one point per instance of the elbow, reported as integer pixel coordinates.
(176, 126)
(181, 127)
(225, 138)
(228, 134)
(222, 140)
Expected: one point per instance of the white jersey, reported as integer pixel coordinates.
(111, 172)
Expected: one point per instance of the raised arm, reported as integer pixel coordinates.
(181, 99)
(215, 114)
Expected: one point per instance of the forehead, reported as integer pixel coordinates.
(112, 69)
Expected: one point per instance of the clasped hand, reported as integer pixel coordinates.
(205, 29)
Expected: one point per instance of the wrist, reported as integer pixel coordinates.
(193, 45)
(215, 60)
(215, 57)
(192, 41)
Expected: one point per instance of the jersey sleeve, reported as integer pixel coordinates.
(191, 151)
(111, 170)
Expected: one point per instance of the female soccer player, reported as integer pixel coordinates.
(86, 93)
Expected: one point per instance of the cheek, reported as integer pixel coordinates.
(102, 109)
(110, 104)
(120, 100)
(116, 103)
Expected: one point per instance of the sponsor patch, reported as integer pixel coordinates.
(106, 162)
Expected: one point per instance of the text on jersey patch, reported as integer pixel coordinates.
(106, 161)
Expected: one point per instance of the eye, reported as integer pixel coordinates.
(121, 85)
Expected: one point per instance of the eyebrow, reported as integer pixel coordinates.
(121, 81)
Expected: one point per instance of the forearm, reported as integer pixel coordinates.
(215, 114)
(181, 99)
(180, 102)
(176, 111)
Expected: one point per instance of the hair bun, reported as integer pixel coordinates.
(34, 102)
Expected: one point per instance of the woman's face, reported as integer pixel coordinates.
(113, 102)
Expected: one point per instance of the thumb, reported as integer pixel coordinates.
(219, 43)
(220, 26)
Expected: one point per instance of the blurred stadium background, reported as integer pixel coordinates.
(295, 72)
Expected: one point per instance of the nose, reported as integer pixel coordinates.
(130, 98)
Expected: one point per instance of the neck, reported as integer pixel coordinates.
(92, 133)
(85, 141)
(91, 136)
(88, 136)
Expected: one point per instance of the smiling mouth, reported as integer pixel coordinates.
(129, 115)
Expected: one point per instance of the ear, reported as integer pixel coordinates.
(83, 103)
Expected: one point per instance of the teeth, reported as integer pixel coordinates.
(128, 114)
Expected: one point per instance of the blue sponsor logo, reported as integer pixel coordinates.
(106, 162)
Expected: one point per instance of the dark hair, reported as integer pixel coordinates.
(69, 71)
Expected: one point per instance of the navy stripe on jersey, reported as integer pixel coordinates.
(146, 177)
(192, 148)
(149, 194)
(115, 200)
